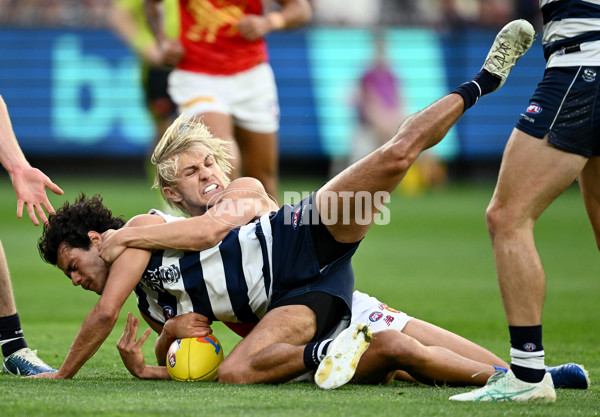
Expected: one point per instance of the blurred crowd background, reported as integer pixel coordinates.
(437, 14)
(73, 88)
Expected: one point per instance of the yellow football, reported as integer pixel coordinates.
(195, 358)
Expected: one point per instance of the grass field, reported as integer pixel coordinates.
(433, 261)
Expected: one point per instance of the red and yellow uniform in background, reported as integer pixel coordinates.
(210, 36)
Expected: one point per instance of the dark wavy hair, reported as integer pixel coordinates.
(71, 224)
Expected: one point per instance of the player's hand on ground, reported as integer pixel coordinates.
(46, 375)
(253, 27)
(188, 325)
(30, 186)
(130, 348)
(111, 246)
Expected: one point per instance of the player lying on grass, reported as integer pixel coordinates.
(392, 355)
(288, 268)
(431, 354)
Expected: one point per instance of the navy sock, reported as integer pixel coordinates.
(527, 353)
(314, 352)
(11, 335)
(481, 84)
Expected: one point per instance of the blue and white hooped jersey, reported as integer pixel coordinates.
(571, 32)
(238, 290)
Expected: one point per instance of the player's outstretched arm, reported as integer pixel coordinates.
(245, 199)
(29, 183)
(30, 187)
(123, 276)
(170, 51)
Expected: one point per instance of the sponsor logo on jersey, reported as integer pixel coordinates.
(384, 306)
(161, 276)
(589, 75)
(388, 320)
(168, 312)
(296, 218)
(534, 108)
(375, 316)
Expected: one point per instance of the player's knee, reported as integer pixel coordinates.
(232, 372)
(498, 217)
(491, 220)
(397, 348)
(242, 371)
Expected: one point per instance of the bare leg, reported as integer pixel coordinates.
(260, 158)
(221, 125)
(432, 335)
(273, 351)
(392, 350)
(7, 300)
(588, 182)
(383, 169)
(532, 175)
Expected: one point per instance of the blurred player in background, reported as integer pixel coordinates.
(30, 186)
(128, 20)
(222, 75)
(381, 108)
(379, 103)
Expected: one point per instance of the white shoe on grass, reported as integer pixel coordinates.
(25, 362)
(339, 364)
(506, 387)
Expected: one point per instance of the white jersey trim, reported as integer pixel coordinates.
(252, 265)
(589, 55)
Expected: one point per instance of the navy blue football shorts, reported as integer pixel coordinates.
(306, 259)
(565, 106)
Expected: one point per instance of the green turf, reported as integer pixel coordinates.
(433, 260)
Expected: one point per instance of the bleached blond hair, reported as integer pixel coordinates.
(185, 134)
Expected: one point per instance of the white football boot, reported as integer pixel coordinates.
(25, 362)
(506, 387)
(510, 44)
(339, 364)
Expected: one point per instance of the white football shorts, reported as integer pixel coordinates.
(375, 314)
(249, 97)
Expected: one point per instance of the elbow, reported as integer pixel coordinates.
(215, 235)
(106, 316)
(214, 239)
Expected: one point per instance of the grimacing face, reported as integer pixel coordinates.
(83, 267)
(200, 181)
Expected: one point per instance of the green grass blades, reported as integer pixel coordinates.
(433, 260)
